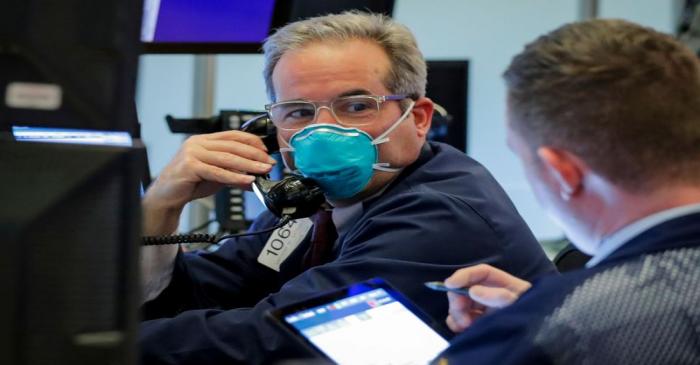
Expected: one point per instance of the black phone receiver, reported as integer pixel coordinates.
(292, 197)
(263, 127)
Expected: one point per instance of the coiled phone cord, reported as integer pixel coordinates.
(177, 239)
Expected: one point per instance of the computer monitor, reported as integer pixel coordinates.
(70, 229)
(70, 213)
(448, 82)
(231, 26)
(212, 26)
(69, 63)
(86, 136)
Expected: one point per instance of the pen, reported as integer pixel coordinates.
(440, 286)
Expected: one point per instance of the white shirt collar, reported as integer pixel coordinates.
(618, 239)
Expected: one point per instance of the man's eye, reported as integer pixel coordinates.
(299, 113)
(353, 107)
(358, 107)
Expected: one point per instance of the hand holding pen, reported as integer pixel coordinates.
(487, 288)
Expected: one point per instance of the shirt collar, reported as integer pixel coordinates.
(617, 239)
(344, 217)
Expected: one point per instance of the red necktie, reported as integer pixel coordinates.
(323, 237)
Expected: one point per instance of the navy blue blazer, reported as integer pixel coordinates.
(443, 212)
(638, 306)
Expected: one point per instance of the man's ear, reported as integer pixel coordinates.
(423, 116)
(565, 168)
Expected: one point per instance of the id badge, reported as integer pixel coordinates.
(283, 241)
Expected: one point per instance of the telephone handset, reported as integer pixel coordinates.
(292, 197)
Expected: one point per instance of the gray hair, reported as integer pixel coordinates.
(408, 73)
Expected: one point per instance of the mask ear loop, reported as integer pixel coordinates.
(287, 151)
(386, 167)
(384, 137)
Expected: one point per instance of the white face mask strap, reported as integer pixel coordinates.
(384, 166)
(286, 149)
(384, 137)
(285, 152)
(287, 144)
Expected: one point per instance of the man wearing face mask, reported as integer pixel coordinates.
(348, 102)
(349, 155)
(605, 117)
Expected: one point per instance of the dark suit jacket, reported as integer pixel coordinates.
(641, 305)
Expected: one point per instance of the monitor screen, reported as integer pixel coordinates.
(231, 26)
(241, 23)
(76, 136)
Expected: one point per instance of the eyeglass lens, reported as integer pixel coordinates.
(352, 110)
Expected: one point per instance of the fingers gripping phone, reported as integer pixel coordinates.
(292, 197)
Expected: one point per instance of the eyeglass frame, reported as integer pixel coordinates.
(380, 99)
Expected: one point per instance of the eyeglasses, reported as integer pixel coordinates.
(349, 111)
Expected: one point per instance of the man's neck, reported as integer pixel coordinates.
(626, 208)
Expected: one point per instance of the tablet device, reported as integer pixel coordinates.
(365, 323)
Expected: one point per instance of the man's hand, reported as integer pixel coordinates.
(489, 288)
(203, 165)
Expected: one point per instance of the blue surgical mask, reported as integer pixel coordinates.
(341, 160)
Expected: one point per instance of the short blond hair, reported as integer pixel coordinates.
(624, 98)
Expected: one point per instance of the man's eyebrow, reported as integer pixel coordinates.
(355, 92)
